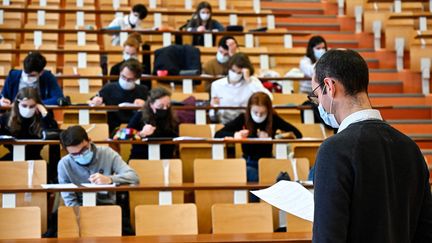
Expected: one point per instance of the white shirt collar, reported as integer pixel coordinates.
(368, 114)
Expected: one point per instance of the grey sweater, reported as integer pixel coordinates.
(105, 161)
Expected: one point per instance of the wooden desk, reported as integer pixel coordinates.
(252, 237)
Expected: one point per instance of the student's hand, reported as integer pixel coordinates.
(42, 110)
(96, 101)
(215, 101)
(100, 179)
(201, 28)
(147, 130)
(5, 102)
(262, 134)
(139, 102)
(246, 74)
(241, 134)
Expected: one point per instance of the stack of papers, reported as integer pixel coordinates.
(58, 186)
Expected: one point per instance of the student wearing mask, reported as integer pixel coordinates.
(218, 66)
(27, 119)
(156, 120)
(33, 75)
(126, 92)
(316, 47)
(202, 21)
(235, 89)
(259, 121)
(131, 21)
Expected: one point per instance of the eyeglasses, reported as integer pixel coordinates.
(82, 151)
(312, 97)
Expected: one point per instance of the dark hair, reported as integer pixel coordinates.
(314, 41)
(148, 116)
(134, 66)
(141, 10)
(73, 135)
(34, 61)
(222, 42)
(241, 60)
(345, 66)
(15, 119)
(200, 6)
(260, 99)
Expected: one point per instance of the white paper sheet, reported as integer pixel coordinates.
(188, 138)
(290, 197)
(92, 185)
(58, 186)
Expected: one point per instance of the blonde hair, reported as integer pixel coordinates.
(133, 40)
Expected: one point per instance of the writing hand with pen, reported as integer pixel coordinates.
(100, 178)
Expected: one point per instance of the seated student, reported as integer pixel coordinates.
(129, 22)
(218, 66)
(27, 119)
(34, 76)
(235, 89)
(201, 22)
(124, 91)
(155, 120)
(259, 121)
(316, 47)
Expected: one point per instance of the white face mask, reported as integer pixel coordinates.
(127, 56)
(26, 112)
(133, 19)
(124, 84)
(234, 77)
(318, 53)
(204, 16)
(328, 118)
(258, 119)
(27, 79)
(221, 58)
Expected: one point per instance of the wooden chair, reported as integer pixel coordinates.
(269, 169)
(95, 131)
(16, 174)
(20, 223)
(215, 171)
(242, 218)
(188, 152)
(292, 116)
(150, 172)
(89, 221)
(176, 219)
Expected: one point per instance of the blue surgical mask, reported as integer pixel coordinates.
(319, 53)
(328, 118)
(84, 158)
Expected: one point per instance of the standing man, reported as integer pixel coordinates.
(371, 181)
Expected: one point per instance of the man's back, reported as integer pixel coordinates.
(371, 185)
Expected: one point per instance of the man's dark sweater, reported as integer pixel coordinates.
(113, 94)
(371, 185)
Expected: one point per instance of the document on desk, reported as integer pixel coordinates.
(92, 185)
(58, 186)
(290, 197)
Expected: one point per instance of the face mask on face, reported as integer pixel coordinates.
(204, 16)
(26, 112)
(124, 84)
(84, 158)
(27, 79)
(127, 56)
(133, 20)
(221, 58)
(234, 77)
(328, 118)
(318, 53)
(258, 119)
(161, 113)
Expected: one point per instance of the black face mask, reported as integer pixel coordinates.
(161, 113)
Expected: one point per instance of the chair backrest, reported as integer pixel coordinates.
(269, 169)
(96, 131)
(242, 218)
(17, 174)
(178, 96)
(195, 130)
(176, 219)
(289, 99)
(215, 171)
(150, 172)
(20, 223)
(296, 224)
(89, 221)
